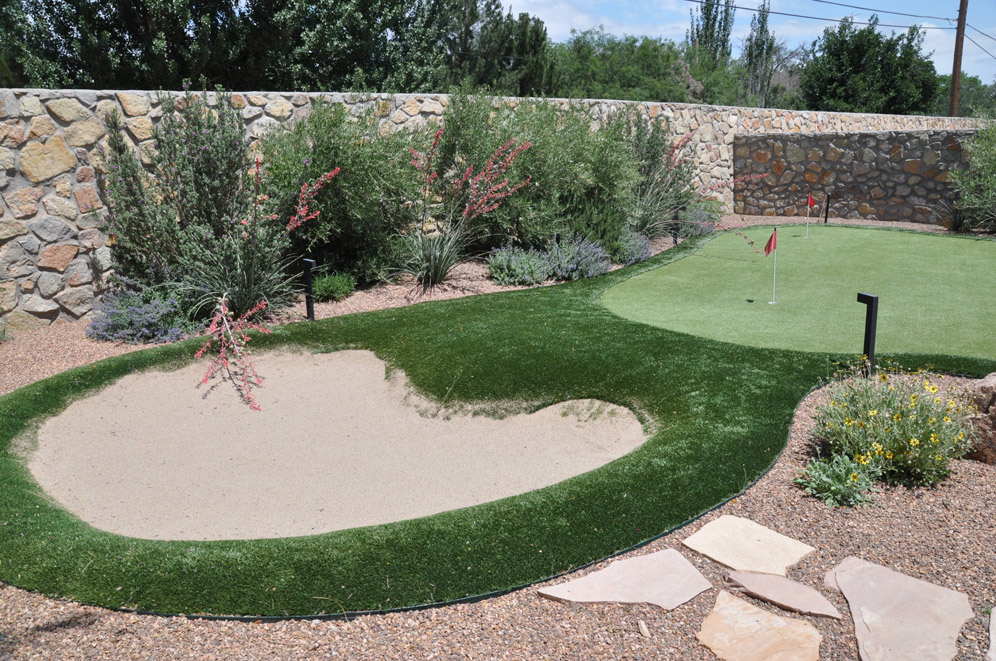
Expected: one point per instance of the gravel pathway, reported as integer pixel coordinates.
(945, 535)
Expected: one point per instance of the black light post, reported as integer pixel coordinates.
(871, 322)
(826, 214)
(309, 298)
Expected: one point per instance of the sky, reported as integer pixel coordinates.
(669, 19)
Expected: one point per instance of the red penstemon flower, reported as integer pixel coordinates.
(484, 190)
(232, 336)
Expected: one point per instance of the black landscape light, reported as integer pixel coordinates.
(871, 321)
(309, 298)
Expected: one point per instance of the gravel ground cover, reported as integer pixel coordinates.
(944, 535)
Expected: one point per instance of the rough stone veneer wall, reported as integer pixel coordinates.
(890, 175)
(54, 259)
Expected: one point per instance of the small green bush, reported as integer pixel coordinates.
(575, 258)
(512, 265)
(901, 426)
(631, 248)
(333, 287)
(838, 480)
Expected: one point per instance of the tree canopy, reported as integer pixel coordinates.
(854, 70)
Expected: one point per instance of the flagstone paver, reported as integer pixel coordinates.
(738, 631)
(744, 545)
(783, 592)
(991, 656)
(664, 578)
(898, 617)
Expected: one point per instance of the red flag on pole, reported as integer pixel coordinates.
(811, 202)
(772, 243)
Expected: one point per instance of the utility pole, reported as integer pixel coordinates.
(956, 71)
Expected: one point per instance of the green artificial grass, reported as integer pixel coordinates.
(935, 292)
(719, 411)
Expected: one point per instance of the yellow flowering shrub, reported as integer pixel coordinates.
(899, 427)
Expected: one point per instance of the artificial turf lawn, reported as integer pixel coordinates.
(934, 292)
(719, 413)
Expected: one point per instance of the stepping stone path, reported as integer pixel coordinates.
(783, 592)
(664, 578)
(898, 617)
(991, 656)
(741, 544)
(738, 631)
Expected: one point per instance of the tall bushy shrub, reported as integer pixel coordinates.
(976, 186)
(666, 174)
(197, 187)
(582, 178)
(197, 216)
(365, 208)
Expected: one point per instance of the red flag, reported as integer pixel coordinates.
(811, 202)
(772, 243)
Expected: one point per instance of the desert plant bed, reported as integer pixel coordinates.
(717, 412)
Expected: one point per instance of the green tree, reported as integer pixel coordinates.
(975, 98)
(593, 64)
(709, 36)
(759, 56)
(864, 71)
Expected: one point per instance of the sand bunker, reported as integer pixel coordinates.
(337, 445)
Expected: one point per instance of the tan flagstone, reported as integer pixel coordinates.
(783, 592)
(898, 617)
(737, 631)
(664, 578)
(744, 545)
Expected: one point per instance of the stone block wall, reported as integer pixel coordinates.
(888, 175)
(54, 257)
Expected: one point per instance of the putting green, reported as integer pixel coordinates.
(935, 292)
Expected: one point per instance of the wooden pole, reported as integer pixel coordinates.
(956, 71)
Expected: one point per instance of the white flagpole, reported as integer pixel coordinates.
(774, 271)
(807, 217)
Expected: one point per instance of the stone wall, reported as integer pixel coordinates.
(54, 258)
(888, 175)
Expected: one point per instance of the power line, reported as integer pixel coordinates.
(980, 47)
(981, 32)
(831, 20)
(883, 11)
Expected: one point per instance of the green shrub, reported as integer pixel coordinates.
(838, 480)
(699, 217)
(976, 186)
(199, 217)
(900, 426)
(666, 175)
(333, 287)
(582, 179)
(512, 265)
(365, 208)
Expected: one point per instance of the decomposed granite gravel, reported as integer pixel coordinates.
(945, 535)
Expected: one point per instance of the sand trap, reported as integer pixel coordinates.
(337, 445)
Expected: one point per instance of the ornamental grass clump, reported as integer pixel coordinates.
(898, 428)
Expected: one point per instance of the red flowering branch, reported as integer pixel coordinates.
(302, 213)
(484, 190)
(233, 357)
